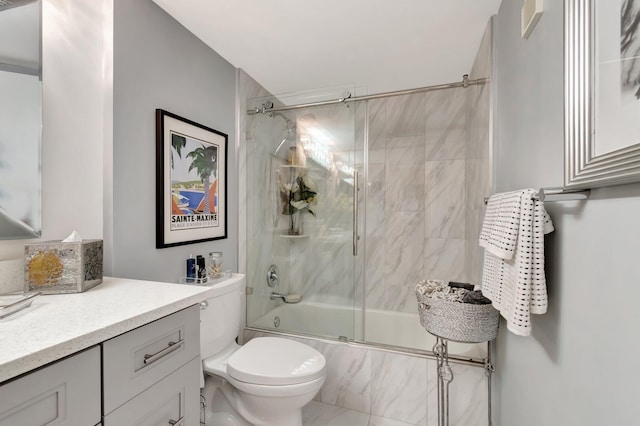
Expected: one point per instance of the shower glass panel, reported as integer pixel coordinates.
(300, 218)
(426, 176)
(422, 162)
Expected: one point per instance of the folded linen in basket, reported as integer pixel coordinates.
(436, 289)
(517, 285)
(427, 287)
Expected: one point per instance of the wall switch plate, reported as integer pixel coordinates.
(531, 13)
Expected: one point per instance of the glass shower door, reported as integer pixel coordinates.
(301, 167)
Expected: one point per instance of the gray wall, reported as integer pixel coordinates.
(579, 367)
(160, 64)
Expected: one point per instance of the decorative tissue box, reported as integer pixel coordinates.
(53, 267)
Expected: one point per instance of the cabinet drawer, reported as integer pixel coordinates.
(175, 398)
(134, 361)
(66, 393)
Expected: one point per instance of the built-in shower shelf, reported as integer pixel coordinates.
(293, 166)
(293, 237)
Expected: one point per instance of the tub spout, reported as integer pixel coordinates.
(286, 298)
(276, 296)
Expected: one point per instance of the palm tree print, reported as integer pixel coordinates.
(177, 142)
(205, 162)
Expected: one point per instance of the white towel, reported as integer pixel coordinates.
(499, 232)
(517, 285)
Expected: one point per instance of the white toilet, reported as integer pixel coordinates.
(265, 382)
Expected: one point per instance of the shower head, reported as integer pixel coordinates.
(291, 129)
(290, 124)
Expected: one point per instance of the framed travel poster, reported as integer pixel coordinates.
(191, 181)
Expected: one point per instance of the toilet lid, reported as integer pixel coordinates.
(275, 361)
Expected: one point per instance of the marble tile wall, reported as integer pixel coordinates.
(416, 200)
(394, 389)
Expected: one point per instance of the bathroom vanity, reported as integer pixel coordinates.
(124, 352)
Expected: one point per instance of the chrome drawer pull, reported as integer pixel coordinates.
(148, 359)
(176, 422)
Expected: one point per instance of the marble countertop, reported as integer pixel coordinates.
(55, 326)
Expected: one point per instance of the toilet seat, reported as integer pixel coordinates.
(283, 391)
(274, 361)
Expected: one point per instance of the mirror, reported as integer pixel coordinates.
(20, 118)
(602, 92)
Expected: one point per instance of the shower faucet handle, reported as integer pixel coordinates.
(272, 276)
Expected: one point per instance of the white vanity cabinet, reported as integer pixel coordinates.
(172, 401)
(147, 376)
(65, 393)
(152, 374)
(122, 353)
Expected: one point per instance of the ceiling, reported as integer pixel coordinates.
(378, 45)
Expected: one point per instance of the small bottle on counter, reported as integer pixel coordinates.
(215, 264)
(202, 270)
(191, 269)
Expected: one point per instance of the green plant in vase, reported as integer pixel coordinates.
(298, 197)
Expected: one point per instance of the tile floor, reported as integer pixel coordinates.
(319, 414)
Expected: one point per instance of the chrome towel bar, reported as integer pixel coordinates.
(558, 194)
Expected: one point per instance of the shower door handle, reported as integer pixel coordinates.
(355, 213)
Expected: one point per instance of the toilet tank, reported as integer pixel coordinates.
(221, 316)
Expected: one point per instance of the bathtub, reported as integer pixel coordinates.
(382, 328)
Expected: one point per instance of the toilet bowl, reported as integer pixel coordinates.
(269, 379)
(265, 382)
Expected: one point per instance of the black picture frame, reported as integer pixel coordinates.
(191, 181)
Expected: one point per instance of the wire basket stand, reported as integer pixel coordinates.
(445, 377)
(456, 321)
